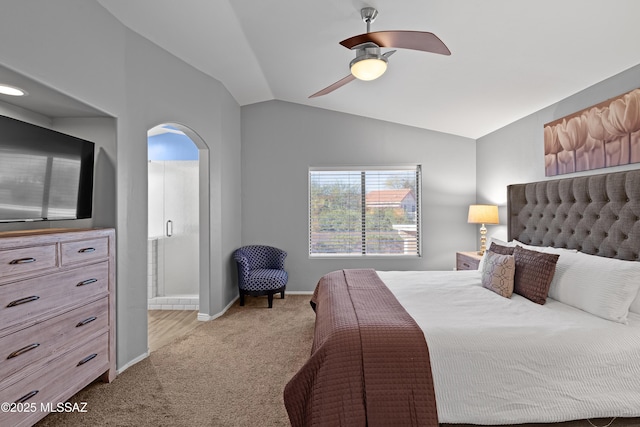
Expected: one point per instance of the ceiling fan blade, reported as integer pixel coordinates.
(416, 40)
(334, 86)
(388, 54)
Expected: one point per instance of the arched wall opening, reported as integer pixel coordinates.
(190, 263)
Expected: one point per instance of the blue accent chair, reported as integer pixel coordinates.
(261, 271)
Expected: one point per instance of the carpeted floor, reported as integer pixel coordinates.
(227, 372)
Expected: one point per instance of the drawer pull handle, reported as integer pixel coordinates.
(23, 350)
(86, 250)
(85, 321)
(86, 359)
(27, 396)
(87, 282)
(22, 261)
(23, 300)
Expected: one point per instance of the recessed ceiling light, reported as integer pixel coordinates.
(11, 90)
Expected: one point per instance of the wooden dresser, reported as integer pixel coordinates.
(57, 318)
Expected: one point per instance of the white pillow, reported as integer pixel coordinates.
(515, 242)
(546, 249)
(604, 287)
(558, 251)
(497, 242)
(502, 242)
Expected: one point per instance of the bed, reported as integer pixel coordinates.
(491, 359)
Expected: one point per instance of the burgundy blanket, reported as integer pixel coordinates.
(369, 363)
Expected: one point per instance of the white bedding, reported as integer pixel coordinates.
(506, 361)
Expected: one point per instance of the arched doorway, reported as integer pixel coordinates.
(178, 204)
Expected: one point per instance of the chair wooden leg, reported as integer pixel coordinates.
(270, 297)
(241, 299)
(282, 295)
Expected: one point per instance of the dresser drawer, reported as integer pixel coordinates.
(16, 261)
(50, 384)
(30, 347)
(84, 250)
(24, 301)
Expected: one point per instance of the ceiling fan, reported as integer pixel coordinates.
(369, 63)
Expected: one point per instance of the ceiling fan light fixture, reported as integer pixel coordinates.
(368, 67)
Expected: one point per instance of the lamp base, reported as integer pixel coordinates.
(483, 240)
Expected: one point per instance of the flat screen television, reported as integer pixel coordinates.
(44, 175)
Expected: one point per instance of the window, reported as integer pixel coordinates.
(365, 211)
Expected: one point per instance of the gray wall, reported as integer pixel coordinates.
(515, 153)
(230, 201)
(79, 49)
(281, 140)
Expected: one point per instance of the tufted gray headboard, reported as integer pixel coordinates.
(595, 214)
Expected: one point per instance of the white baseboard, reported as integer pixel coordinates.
(203, 317)
(133, 362)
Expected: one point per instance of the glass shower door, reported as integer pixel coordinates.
(181, 264)
(173, 219)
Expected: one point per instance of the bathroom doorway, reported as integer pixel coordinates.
(173, 220)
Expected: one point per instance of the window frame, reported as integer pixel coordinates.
(416, 168)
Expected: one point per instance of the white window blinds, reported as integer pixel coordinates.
(364, 211)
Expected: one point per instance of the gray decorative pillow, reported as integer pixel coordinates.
(534, 272)
(498, 272)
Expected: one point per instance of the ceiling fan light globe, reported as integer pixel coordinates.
(368, 68)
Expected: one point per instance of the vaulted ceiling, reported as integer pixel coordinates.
(509, 58)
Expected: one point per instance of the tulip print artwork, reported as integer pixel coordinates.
(605, 135)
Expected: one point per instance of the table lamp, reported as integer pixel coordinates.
(483, 214)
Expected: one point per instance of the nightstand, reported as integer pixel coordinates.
(467, 260)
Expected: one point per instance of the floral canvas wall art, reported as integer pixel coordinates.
(601, 136)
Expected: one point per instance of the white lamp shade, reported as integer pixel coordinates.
(483, 214)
